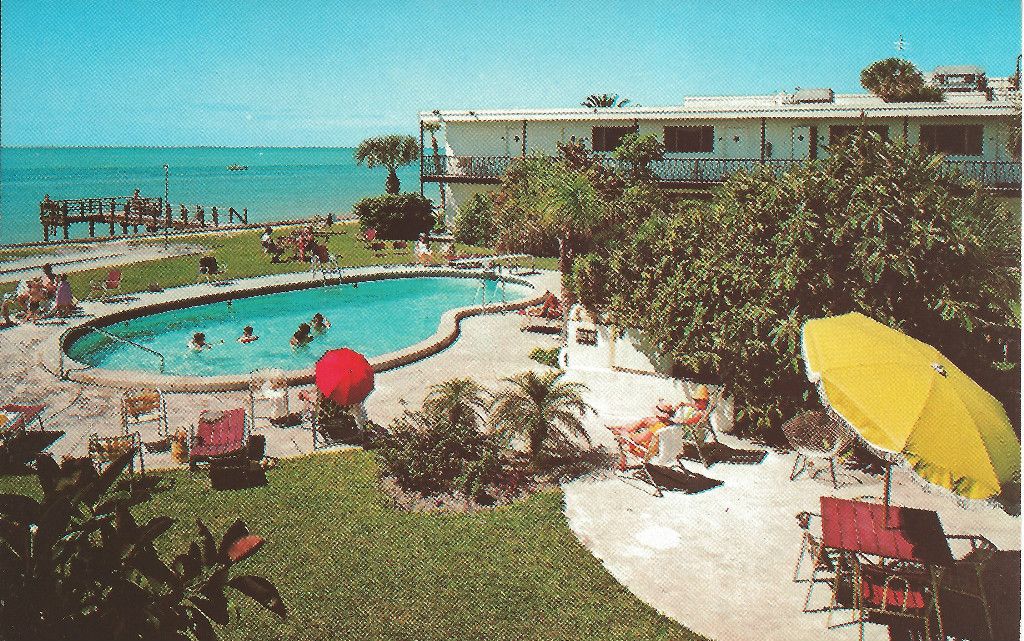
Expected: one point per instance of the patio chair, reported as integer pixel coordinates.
(242, 469)
(144, 406)
(209, 267)
(369, 236)
(895, 595)
(102, 289)
(700, 433)
(105, 449)
(827, 566)
(217, 434)
(268, 395)
(816, 435)
(965, 586)
(335, 425)
(663, 452)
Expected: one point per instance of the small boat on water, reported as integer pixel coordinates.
(237, 167)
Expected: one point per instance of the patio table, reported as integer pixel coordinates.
(911, 535)
(23, 415)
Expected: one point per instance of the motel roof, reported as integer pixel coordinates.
(772, 107)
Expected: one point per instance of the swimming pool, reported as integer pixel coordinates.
(372, 317)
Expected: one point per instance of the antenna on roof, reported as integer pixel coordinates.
(900, 44)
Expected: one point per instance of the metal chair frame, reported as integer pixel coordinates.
(157, 415)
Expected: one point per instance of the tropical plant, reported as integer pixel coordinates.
(474, 222)
(432, 128)
(76, 565)
(598, 101)
(877, 227)
(544, 356)
(898, 80)
(396, 216)
(391, 152)
(638, 152)
(442, 447)
(542, 408)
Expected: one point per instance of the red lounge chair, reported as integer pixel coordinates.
(217, 434)
(102, 288)
(369, 236)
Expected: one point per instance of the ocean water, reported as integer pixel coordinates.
(374, 318)
(281, 183)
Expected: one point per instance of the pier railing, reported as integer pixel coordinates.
(153, 214)
(994, 174)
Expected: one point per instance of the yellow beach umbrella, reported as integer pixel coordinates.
(904, 397)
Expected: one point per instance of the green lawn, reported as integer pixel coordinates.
(349, 566)
(244, 257)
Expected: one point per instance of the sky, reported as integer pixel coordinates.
(241, 73)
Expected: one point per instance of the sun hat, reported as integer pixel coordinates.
(701, 394)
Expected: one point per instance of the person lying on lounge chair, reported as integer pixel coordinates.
(685, 413)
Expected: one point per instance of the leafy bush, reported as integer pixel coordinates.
(638, 152)
(396, 216)
(474, 222)
(76, 565)
(876, 228)
(442, 448)
(547, 357)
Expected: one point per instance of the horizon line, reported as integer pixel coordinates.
(177, 146)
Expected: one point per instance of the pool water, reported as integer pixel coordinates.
(372, 317)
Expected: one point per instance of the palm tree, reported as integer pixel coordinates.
(458, 401)
(572, 207)
(433, 128)
(542, 408)
(596, 101)
(897, 80)
(392, 152)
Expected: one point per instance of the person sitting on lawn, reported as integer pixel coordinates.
(685, 413)
(319, 324)
(198, 342)
(301, 336)
(247, 335)
(423, 255)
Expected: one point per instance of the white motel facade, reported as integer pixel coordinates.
(708, 138)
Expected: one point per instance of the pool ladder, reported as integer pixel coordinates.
(119, 340)
(493, 274)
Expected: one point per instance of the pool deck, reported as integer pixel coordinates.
(485, 346)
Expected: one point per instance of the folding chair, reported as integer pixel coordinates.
(102, 289)
(217, 434)
(335, 425)
(105, 449)
(665, 447)
(893, 594)
(699, 433)
(144, 406)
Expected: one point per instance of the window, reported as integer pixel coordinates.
(837, 132)
(608, 138)
(955, 140)
(690, 139)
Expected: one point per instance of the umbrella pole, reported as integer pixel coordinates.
(886, 491)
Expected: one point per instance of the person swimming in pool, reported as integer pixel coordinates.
(301, 336)
(198, 342)
(247, 335)
(319, 324)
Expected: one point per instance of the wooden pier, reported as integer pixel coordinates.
(124, 212)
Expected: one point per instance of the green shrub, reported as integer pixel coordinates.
(547, 357)
(474, 222)
(396, 216)
(427, 454)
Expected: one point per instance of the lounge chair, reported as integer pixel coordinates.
(826, 565)
(816, 435)
(102, 289)
(209, 267)
(978, 593)
(243, 469)
(894, 595)
(653, 461)
(700, 433)
(544, 318)
(334, 425)
(105, 449)
(369, 236)
(217, 434)
(144, 406)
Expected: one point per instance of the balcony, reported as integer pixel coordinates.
(998, 175)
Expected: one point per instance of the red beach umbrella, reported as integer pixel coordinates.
(344, 376)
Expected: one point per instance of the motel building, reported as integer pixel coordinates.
(709, 137)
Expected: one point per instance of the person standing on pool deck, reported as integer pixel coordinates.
(247, 335)
(301, 336)
(319, 324)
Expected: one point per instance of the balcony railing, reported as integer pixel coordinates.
(997, 174)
